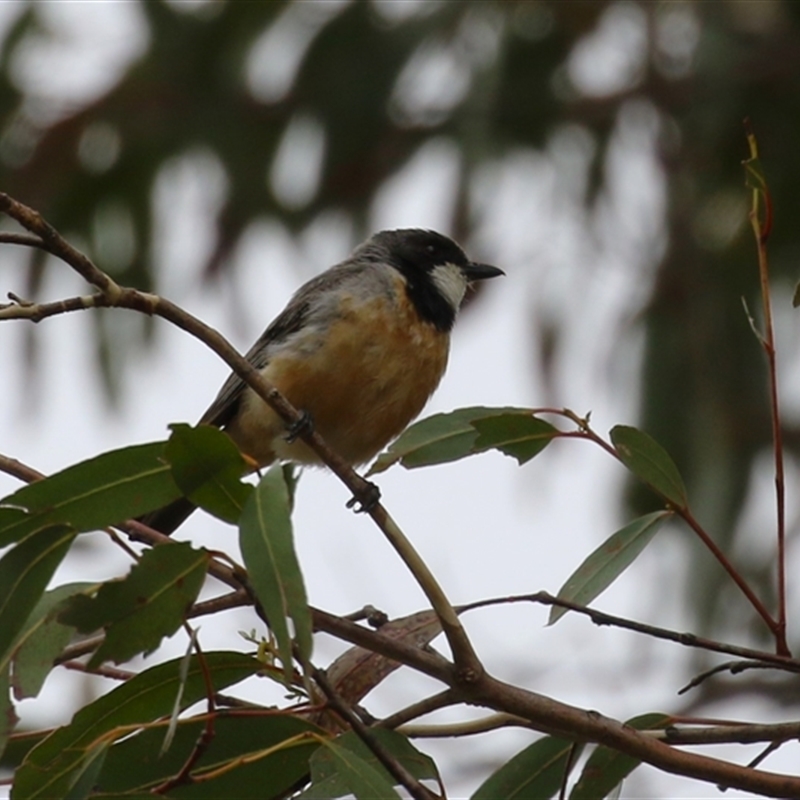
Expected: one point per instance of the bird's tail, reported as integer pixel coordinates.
(170, 517)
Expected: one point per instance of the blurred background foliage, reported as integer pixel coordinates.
(308, 108)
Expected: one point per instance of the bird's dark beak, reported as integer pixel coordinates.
(480, 272)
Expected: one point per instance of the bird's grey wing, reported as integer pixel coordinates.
(304, 306)
(226, 403)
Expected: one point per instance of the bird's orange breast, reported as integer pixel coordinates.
(371, 372)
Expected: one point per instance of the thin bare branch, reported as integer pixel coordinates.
(728, 734)
(601, 618)
(467, 728)
(761, 223)
(429, 704)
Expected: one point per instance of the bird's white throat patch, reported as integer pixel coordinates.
(451, 282)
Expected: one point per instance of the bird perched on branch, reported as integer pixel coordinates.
(359, 349)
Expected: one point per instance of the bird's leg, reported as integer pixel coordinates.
(367, 497)
(303, 425)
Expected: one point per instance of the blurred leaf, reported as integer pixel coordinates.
(83, 779)
(136, 762)
(536, 772)
(519, 435)
(266, 540)
(439, 438)
(605, 768)
(25, 571)
(357, 671)
(48, 768)
(104, 490)
(42, 638)
(8, 716)
(605, 564)
(19, 744)
(207, 466)
(347, 766)
(140, 610)
(291, 475)
(646, 459)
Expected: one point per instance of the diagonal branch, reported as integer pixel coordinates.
(113, 295)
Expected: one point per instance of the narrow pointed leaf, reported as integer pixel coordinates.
(606, 769)
(329, 780)
(135, 763)
(603, 566)
(521, 436)
(535, 772)
(25, 571)
(102, 491)
(48, 768)
(648, 460)
(207, 466)
(42, 638)
(346, 766)
(139, 611)
(83, 779)
(438, 439)
(266, 541)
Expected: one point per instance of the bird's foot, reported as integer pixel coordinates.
(365, 499)
(303, 425)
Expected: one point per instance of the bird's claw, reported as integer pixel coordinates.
(302, 425)
(367, 498)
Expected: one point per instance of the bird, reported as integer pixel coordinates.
(358, 350)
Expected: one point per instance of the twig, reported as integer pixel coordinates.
(104, 671)
(184, 776)
(735, 667)
(761, 230)
(222, 603)
(601, 618)
(767, 751)
(728, 734)
(24, 239)
(419, 709)
(467, 728)
(15, 468)
(574, 752)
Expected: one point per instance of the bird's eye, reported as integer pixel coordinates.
(430, 248)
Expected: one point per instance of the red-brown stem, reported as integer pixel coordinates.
(762, 225)
(586, 432)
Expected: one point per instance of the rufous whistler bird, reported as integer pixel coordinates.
(359, 349)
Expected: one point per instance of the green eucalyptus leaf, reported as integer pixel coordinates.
(536, 772)
(207, 466)
(25, 571)
(439, 439)
(605, 564)
(648, 460)
(267, 544)
(147, 605)
(48, 769)
(102, 491)
(605, 768)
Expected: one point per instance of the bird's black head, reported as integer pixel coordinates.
(436, 270)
